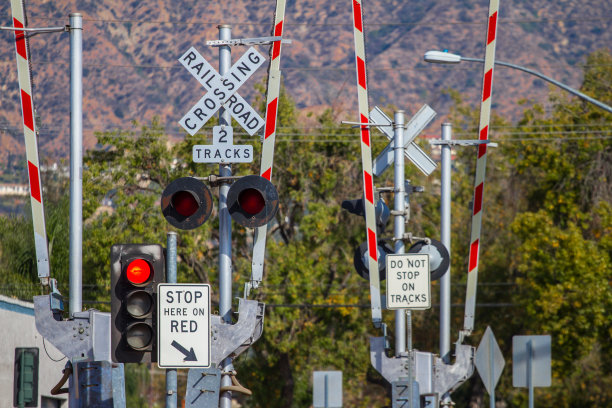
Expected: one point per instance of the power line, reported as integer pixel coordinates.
(333, 24)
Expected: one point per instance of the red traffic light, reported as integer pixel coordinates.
(252, 201)
(138, 271)
(186, 203)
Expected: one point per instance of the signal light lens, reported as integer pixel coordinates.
(251, 201)
(185, 203)
(139, 336)
(139, 304)
(138, 271)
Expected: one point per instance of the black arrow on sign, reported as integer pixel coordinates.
(189, 355)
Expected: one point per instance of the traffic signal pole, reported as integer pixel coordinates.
(225, 225)
(171, 374)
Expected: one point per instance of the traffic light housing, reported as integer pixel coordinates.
(186, 203)
(382, 212)
(439, 258)
(252, 201)
(25, 379)
(360, 259)
(136, 269)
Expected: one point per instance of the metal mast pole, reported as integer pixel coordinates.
(225, 225)
(76, 162)
(171, 374)
(76, 183)
(399, 224)
(445, 236)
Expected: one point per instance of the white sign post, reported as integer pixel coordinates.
(408, 281)
(183, 325)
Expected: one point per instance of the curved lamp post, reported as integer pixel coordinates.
(440, 57)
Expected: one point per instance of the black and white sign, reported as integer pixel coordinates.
(408, 281)
(223, 149)
(222, 91)
(183, 325)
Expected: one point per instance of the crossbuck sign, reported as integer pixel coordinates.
(222, 91)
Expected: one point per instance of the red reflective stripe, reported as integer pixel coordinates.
(26, 101)
(486, 88)
(473, 255)
(34, 181)
(267, 174)
(478, 198)
(278, 30)
(492, 28)
(20, 39)
(372, 245)
(365, 131)
(271, 118)
(361, 73)
(357, 15)
(482, 150)
(369, 193)
(484, 135)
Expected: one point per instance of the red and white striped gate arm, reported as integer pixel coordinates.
(483, 134)
(366, 160)
(267, 154)
(29, 132)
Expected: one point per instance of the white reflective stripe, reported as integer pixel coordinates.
(478, 196)
(366, 160)
(31, 145)
(269, 139)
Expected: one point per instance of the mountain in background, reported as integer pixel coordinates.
(131, 71)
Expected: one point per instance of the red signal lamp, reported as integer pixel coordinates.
(186, 203)
(252, 201)
(138, 271)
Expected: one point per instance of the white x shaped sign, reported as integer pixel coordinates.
(222, 91)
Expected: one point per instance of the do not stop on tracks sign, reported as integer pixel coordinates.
(183, 325)
(408, 281)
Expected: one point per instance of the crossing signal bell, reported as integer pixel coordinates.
(186, 203)
(252, 201)
(136, 269)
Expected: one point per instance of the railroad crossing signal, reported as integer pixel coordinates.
(136, 270)
(186, 203)
(252, 201)
(183, 322)
(222, 91)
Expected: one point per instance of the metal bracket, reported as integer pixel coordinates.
(431, 372)
(230, 340)
(462, 143)
(248, 41)
(86, 337)
(203, 386)
(95, 389)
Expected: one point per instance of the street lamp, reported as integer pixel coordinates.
(440, 57)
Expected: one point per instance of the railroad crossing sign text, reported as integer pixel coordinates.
(408, 281)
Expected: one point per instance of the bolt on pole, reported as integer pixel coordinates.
(225, 224)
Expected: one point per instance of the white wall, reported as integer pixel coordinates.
(18, 329)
